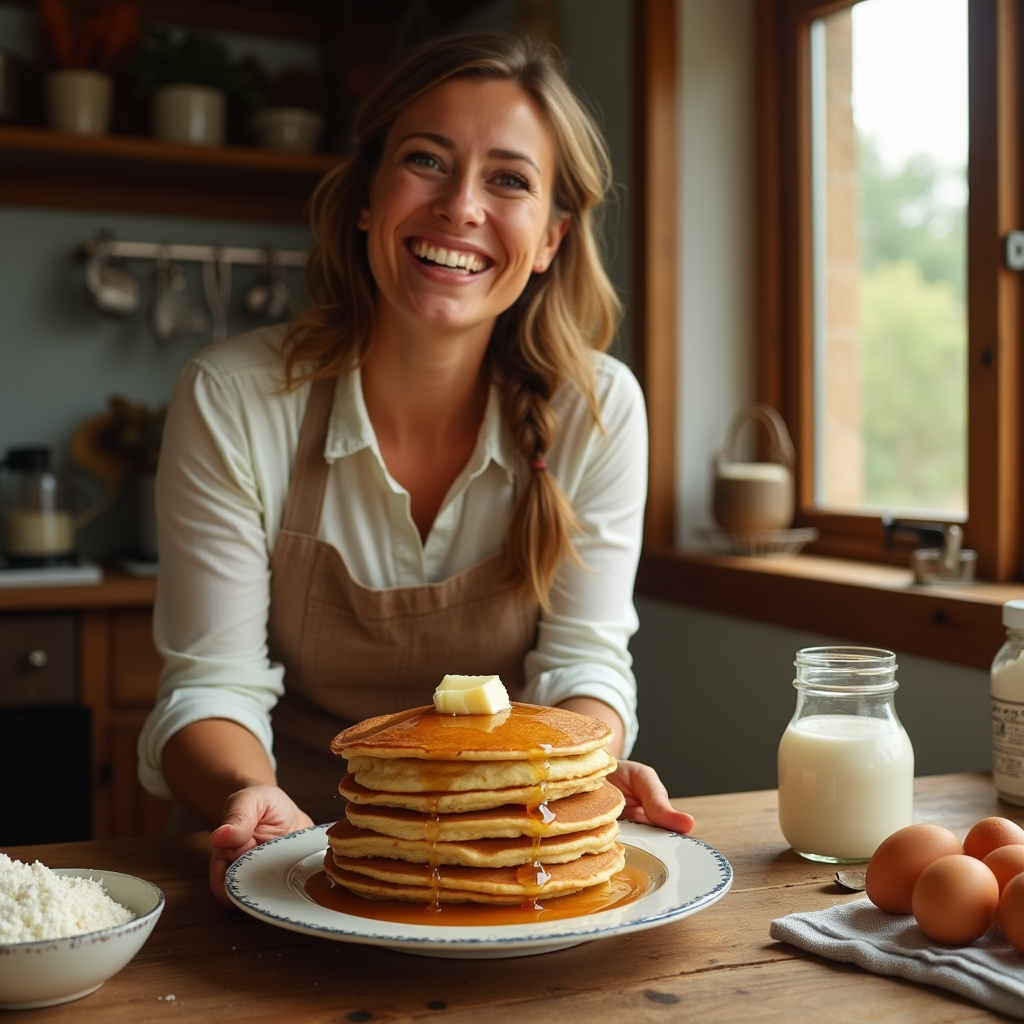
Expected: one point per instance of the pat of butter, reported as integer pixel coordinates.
(471, 695)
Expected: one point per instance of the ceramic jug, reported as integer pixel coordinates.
(754, 495)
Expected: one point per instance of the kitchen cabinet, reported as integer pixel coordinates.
(115, 670)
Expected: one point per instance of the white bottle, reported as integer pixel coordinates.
(1008, 708)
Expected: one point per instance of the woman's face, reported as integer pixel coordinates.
(460, 211)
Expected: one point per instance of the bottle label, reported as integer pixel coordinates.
(1008, 744)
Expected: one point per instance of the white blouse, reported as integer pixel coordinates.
(225, 466)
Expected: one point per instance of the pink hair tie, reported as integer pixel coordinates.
(538, 464)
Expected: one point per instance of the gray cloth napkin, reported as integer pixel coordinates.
(989, 971)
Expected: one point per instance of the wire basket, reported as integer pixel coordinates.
(758, 542)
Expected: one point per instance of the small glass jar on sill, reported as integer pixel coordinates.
(846, 764)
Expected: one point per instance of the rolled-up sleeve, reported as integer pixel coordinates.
(583, 642)
(210, 616)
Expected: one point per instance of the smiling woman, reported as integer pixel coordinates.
(434, 469)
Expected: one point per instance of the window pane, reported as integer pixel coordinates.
(889, 152)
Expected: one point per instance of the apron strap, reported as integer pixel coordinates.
(310, 469)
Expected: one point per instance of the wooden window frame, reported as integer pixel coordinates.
(994, 293)
(844, 586)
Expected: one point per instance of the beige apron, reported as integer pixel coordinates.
(349, 651)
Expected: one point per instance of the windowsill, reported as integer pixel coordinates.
(863, 603)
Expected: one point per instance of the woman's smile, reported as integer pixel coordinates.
(460, 211)
(453, 260)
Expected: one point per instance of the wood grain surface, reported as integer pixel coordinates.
(718, 965)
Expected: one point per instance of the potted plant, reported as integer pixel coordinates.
(84, 52)
(190, 76)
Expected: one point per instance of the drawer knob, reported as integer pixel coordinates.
(37, 658)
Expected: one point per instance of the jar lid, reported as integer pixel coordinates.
(28, 458)
(1013, 614)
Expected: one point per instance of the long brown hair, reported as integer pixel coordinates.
(542, 341)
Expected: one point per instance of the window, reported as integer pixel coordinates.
(888, 92)
(897, 370)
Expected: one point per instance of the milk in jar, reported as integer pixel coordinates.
(846, 764)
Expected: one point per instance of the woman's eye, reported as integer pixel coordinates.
(422, 159)
(512, 179)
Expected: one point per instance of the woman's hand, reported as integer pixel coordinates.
(251, 816)
(647, 799)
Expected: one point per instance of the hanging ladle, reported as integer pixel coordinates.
(111, 286)
(217, 285)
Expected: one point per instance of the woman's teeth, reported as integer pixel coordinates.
(463, 262)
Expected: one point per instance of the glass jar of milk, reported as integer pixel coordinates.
(846, 764)
(1008, 708)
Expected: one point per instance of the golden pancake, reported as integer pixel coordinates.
(574, 813)
(527, 732)
(478, 800)
(414, 775)
(378, 878)
(350, 842)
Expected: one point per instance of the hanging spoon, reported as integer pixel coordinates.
(268, 298)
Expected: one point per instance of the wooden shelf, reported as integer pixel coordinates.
(39, 167)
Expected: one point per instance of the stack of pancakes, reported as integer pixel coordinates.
(501, 808)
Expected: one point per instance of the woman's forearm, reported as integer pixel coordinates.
(598, 709)
(207, 761)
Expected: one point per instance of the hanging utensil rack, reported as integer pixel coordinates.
(186, 253)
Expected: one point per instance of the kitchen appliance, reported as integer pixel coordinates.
(38, 525)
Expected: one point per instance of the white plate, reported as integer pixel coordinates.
(268, 883)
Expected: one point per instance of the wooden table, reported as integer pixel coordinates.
(206, 963)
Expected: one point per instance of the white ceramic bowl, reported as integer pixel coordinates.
(292, 129)
(58, 970)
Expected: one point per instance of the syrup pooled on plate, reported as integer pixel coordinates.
(633, 882)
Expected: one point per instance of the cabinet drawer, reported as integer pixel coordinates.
(136, 665)
(37, 660)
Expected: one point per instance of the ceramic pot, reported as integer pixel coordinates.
(78, 101)
(755, 495)
(193, 114)
(291, 129)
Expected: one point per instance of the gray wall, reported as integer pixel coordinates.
(716, 694)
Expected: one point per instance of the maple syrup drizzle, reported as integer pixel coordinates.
(533, 876)
(433, 828)
(626, 887)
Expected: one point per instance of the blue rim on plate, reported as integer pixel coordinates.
(688, 876)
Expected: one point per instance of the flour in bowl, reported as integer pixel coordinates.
(36, 904)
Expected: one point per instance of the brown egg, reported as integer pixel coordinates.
(1011, 912)
(991, 833)
(899, 860)
(955, 900)
(1005, 862)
